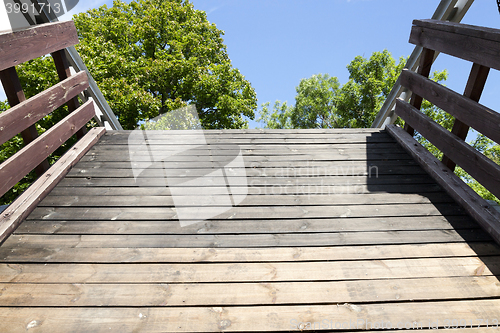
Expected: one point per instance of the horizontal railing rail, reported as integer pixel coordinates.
(15, 49)
(481, 46)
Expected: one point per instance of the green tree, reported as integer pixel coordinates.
(321, 102)
(153, 56)
(148, 57)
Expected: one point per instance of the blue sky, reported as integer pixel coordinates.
(275, 43)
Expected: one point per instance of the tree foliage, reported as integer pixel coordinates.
(321, 102)
(148, 57)
(153, 56)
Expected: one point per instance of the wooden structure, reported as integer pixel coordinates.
(23, 115)
(341, 230)
(482, 47)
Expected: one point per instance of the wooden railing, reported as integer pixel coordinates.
(481, 46)
(15, 49)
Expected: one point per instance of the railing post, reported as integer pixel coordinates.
(473, 90)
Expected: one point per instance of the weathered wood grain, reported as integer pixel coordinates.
(21, 46)
(464, 42)
(25, 160)
(424, 69)
(15, 95)
(481, 168)
(246, 319)
(486, 33)
(476, 206)
(82, 227)
(250, 272)
(249, 240)
(64, 72)
(25, 114)
(479, 117)
(233, 294)
(243, 255)
(101, 189)
(194, 170)
(194, 157)
(280, 184)
(167, 213)
(261, 200)
(26, 202)
(473, 90)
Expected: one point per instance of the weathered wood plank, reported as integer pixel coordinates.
(27, 113)
(424, 69)
(162, 140)
(262, 200)
(194, 157)
(464, 42)
(479, 209)
(257, 318)
(280, 184)
(242, 255)
(263, 131)
(318, 165)
(266, 147)
(265, 212)
(233, 294)
(26, 202)
(185, 135)
(486, 33)
(15, 95)
(19, 165)
(248, 240)
(64, 72)
(85, 188)
(250, 272)
(35, 42)
(473, 90)
(247, 226)
(476, 164)
(479, 117)
(210, 150)
(155, 171)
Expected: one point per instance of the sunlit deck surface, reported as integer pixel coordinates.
(339, 227)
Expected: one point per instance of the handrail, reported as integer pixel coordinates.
(447, 10)
(480, 46)
(77, 63)
(16, 48)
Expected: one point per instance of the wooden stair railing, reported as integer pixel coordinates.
(481, 46)
(15, 49)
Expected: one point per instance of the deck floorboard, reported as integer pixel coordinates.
(333, 227)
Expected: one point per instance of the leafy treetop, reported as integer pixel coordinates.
(153, 56)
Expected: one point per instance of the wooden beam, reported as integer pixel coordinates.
(231, 294)
(465, 42)
(19, 165)
(149, 255)
(280, 318)
(63, 71)
(25, 114)
(26, 202)
(424, 69)
(21, 46)
(491, 34)
(473, 90)
(476, 206)
(15, 95)
(479, 117)
(484, 170)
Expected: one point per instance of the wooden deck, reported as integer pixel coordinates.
(339, 227)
